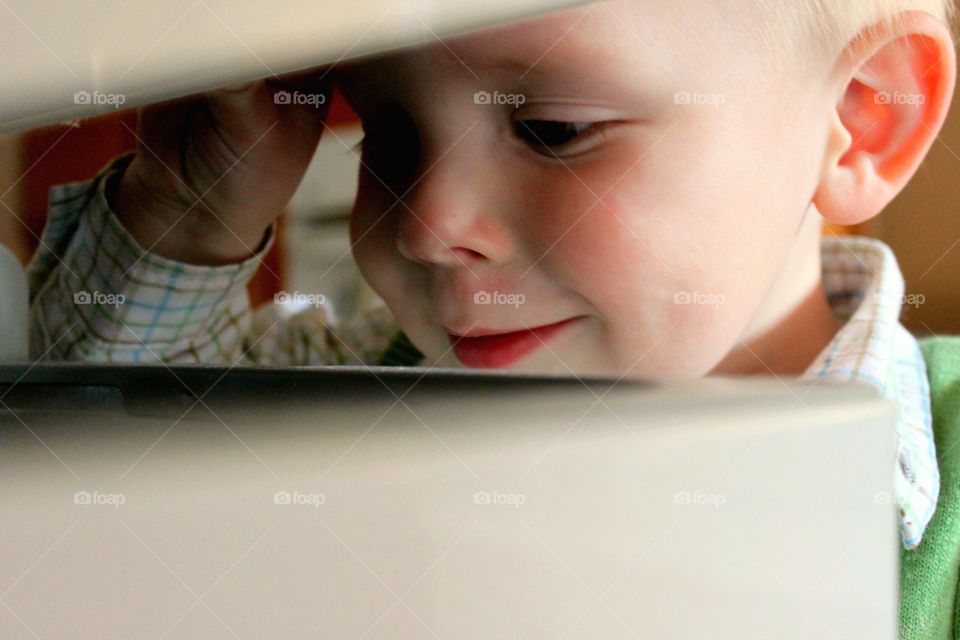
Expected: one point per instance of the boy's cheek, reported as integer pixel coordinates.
(402, 285)
(687, 341)
(379, 266)
(376, 254)
(659, 314)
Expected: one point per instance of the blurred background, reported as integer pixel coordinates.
(312, 252)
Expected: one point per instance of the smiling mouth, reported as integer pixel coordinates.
(487, 350)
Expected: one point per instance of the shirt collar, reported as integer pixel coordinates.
(865, 289)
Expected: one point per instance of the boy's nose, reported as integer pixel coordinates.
(445, 224)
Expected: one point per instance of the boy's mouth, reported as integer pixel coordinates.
(486, 349)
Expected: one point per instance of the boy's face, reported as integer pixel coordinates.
(632, 169)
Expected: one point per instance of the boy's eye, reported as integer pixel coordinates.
(547, 135)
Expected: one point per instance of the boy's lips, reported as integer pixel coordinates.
(488, 349)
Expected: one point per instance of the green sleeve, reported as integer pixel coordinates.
(929, 573)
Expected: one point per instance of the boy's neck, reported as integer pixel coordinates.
(790, 346)
(796, 323)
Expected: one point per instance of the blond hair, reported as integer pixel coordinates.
(821, 29)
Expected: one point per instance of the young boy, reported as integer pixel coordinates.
(627, 188)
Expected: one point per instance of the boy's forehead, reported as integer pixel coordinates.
(543, 44)
(644, 39)
(523, 43)
(546, 43)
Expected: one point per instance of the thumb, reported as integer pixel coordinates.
(246, 111)
(241, 109)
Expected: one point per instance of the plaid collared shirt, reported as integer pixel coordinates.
(866, 290)
(97, 295)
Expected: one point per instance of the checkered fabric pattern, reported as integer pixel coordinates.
(97, 295)
(866, 290)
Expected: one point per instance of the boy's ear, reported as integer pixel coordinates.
(897, 91)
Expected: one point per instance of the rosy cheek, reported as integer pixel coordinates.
(605, 244)
(565, 218)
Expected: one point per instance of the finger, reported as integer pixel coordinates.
(163, 125)
(317, 79)
(248, 111)
(310, 91)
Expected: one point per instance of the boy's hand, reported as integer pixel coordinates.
(212, 173)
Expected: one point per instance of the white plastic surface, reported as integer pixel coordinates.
(741, 511)
(69, 60)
